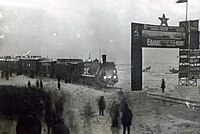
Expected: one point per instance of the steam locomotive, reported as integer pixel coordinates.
(71, 70)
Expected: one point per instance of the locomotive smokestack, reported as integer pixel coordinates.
(104, 58)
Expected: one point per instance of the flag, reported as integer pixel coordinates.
(181, 1)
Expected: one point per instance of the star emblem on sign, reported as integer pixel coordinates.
(163, 20)
(136, 32)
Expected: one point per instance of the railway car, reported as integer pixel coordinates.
(5, 62)
(12, 66)
(30, 66)
(47, 68)
(69, 69)
(8, 66)
(2, 64)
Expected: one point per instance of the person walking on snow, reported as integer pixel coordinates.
(37, 84)
(163, 85)
(102, 105)
(126, 119)
(29, 84)
(58, 85)
(41, 84)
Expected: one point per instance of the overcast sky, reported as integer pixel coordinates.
(73, 28)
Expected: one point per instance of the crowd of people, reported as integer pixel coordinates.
(126, 119)
(126, 116)
(126, 113)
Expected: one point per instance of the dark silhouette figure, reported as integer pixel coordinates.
(58, 85)
(114, 113)
(60, 127)
(37, 84)
(126, 119)
(102, 105)
(29, 84)
(28, 124)
(2, 74)
(41, 84)
(163, 85)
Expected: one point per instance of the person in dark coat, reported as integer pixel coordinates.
(163, 85)
(126, 119)
(29, 84)
(28, 124)
(37, 84)
(114, 114)
(2, 74)
(58, 85)
(41, 84)
(102, 105)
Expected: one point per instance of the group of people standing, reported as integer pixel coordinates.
(39, 83)
(126, 118)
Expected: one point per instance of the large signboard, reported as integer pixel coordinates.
(161, 36)
(189, 63)
(191, 28)
(163, 39)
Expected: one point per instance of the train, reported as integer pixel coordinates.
(92, 72)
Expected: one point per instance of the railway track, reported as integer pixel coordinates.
(174, 100)
(101, 88)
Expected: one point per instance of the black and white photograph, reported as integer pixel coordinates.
(99, 67)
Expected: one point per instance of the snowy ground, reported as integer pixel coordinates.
(81, 110)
